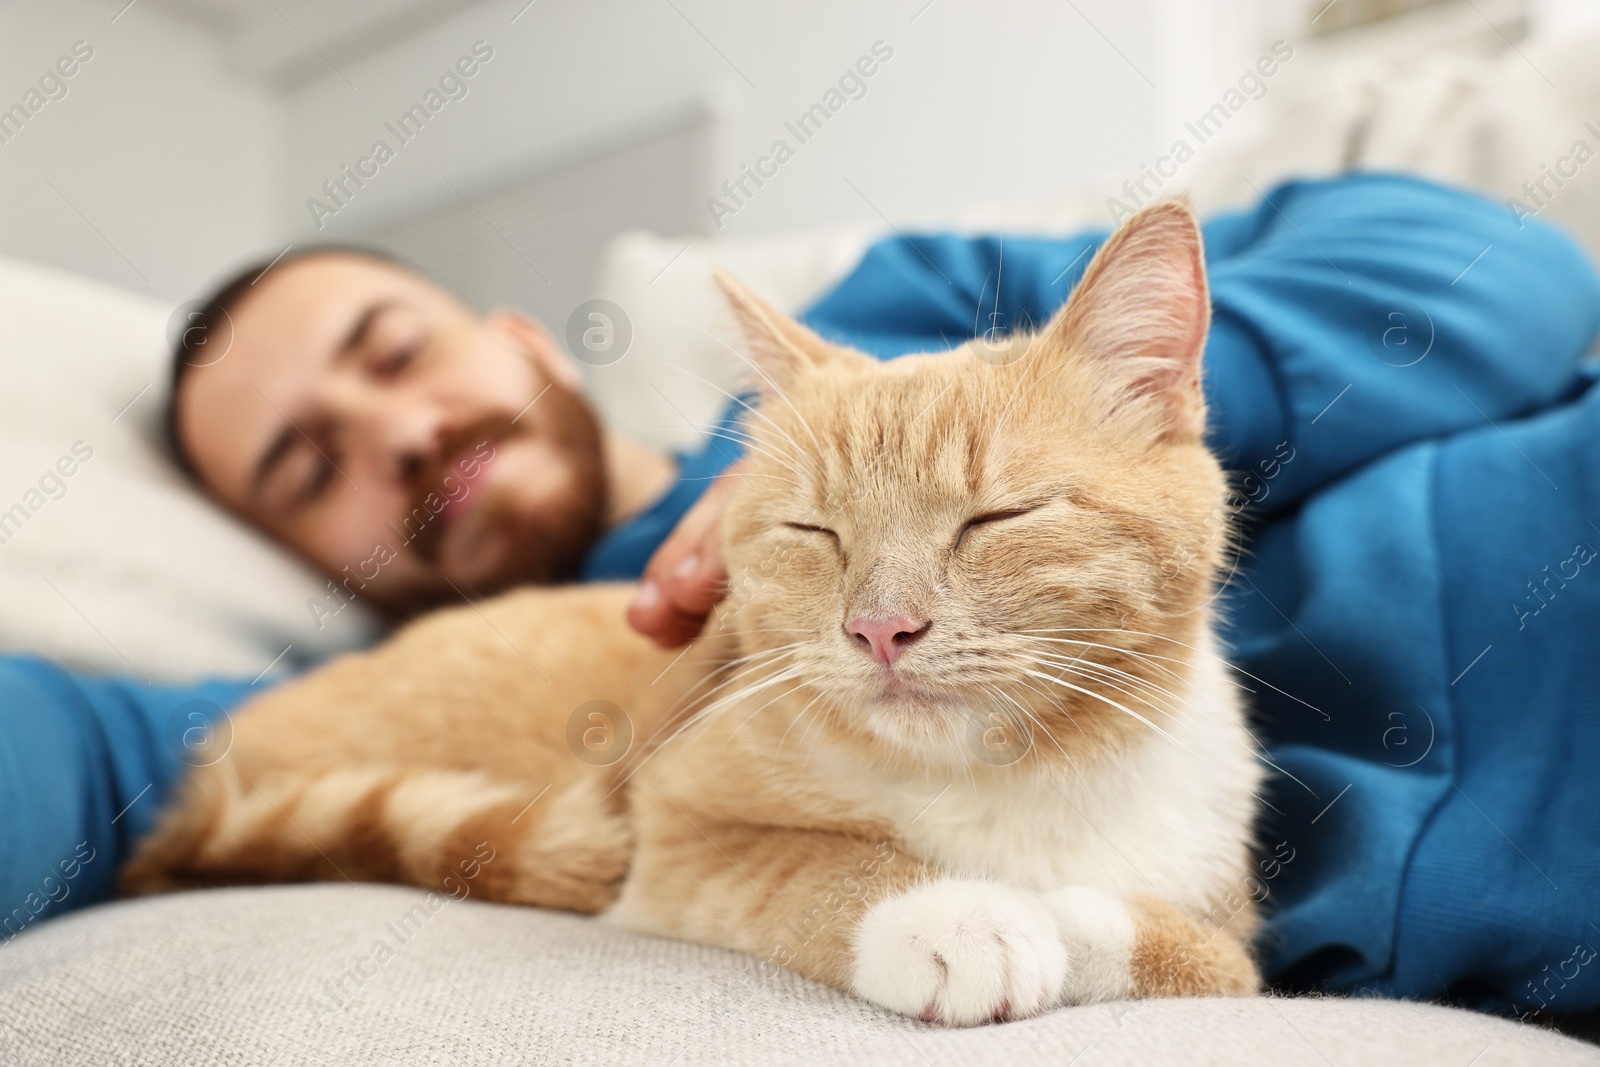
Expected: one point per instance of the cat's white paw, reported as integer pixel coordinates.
(960, 952)
(1099, 933)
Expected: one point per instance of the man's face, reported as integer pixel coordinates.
(368, 420)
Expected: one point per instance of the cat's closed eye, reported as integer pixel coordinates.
(806, 527)
(987, 518)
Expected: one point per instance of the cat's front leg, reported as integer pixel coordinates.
(960, 952)
(792, 898)
(1142, 946)
(852, 910)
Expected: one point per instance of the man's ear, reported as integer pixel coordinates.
(547, 355)
(780, 347)
(1144, 308)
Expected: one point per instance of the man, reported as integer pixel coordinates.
(1394, 369)
(356, 412)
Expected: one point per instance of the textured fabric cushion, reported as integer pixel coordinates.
(341, 975)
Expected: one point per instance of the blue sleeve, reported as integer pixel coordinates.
(1384, 310)
(1351, 316)
(85, 764)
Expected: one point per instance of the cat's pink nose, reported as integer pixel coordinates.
(886, 638)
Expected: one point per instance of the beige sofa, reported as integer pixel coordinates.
(341, 975)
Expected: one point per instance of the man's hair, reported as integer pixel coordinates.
(209, 322)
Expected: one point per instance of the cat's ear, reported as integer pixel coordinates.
(1144, 308)
(779, 346)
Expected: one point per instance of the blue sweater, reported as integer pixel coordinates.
(1394, 369)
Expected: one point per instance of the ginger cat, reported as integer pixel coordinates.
(959, 740)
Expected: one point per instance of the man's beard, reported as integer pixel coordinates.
(545, 547)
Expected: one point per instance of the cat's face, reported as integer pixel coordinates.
(998, 553)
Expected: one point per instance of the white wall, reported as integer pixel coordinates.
(1554, 18)
(980, 102)
(190, 144)
(166, 165)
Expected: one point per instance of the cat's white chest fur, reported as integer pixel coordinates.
(1170, 816)
(1044, 863)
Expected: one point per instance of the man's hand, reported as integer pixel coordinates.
(685, 578)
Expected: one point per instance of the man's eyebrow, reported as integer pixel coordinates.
(363, 325)
(271, 458)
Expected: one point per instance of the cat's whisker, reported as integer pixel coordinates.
(763, 630)
(1115, 677)
(1002, 694)
(771, 384)
(801, 744)
(1108, 701)
(799, 455)
(728, 674)
(1112, 674)
(1083, 652)
(746, 720)
(1148, 659)
(1264, 758)
(1147, 656)
(1081, 660)
(743, 667)
(1140, 697)
(801, 714)
(1261, 754)
(734, 671)
(791, 445)
(736, 696)
(1136, 696)
(1056, 705)
(753, 446)
(1032, 382)
(752, 474)
(741, 631)
(741, 401)
(740, 434)
(1175, 641)
(704, 715)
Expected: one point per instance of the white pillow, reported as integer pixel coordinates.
(683, 335)
(122, 566)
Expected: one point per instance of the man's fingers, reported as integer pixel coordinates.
(686, 577)
(653, 615)
(672, 611)
(681, 585)
(696, 581)
(683, 568)
(679, 631)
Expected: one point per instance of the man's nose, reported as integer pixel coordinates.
(402, 437)
(886, 637)
(410, 445)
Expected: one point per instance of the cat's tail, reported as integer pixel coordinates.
(567, 845)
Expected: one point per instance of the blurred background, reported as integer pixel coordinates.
(199, 131)
(549, 153)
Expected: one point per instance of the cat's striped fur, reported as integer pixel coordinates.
(1039, 515)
